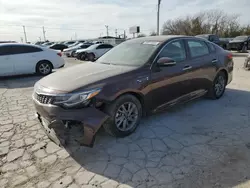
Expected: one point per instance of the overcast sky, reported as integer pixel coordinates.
(66, 19)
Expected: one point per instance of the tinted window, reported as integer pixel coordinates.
(24, 49)
(103, 46)
(84, 46)
(197, 48)
(175, 50)
(4, 50)
(213, 38)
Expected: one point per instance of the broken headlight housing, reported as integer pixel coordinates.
(76, 100)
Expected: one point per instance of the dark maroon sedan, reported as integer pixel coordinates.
(133, 79)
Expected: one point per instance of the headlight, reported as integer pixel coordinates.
(76, 99)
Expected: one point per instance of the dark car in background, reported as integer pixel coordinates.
(215, 39)
(240, 43)
(58, 46)
(133, 79)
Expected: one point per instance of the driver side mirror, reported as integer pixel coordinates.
(166, 61)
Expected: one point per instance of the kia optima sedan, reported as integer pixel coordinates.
(132, 80)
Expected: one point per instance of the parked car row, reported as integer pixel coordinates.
(240, 43)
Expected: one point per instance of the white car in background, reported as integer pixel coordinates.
(17, 59)
(93, 52)
(69, 52)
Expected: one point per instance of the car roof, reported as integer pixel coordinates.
(19, 44)
(161, 38)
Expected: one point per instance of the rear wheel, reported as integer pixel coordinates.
(219, 85)
(44, 68)
(125, 115)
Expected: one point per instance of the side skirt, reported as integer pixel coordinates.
(181, 100)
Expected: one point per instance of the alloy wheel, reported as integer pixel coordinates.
(44, 68)
(126, 116)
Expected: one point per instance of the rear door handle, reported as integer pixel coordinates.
(214, 61)
(142, 79)
(187, 67)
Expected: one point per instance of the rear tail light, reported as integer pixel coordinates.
(60, 54)
(230, 56)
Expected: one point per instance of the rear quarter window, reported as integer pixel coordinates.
(211, 47)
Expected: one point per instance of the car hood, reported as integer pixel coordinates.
(81, 50)
(75, 77)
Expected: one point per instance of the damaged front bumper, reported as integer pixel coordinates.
(55, 122)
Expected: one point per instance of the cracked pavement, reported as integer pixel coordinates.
(203, 143)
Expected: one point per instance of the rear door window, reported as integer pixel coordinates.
(19, 49)
(197, 48)
(5, 50)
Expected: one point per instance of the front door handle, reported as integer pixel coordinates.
(214, 61)
(187, 67)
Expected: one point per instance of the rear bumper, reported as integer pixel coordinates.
(91, 119)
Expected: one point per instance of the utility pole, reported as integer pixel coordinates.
(115, 32)
(124, 35)
(44, 34)
(107, 28)
(25, 36)
(158, 17)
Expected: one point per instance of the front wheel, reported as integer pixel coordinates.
(91, 57)
(125, 115)
(219, 85)
(244, 49)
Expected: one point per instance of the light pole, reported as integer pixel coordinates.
(158, 17)
(107, 28)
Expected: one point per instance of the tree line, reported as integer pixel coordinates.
(208, 22)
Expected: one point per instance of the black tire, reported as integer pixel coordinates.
(44, 64)
(244, 48)
(91, 57)
(82, 56)
(112, 110)
(212, 93)
(73, 54)
(247, 65)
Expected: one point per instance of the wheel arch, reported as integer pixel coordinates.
(138, 95)
(225, 72)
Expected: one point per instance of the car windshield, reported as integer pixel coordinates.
(132, 54)
(240, 38)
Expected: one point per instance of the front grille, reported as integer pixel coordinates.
(44, 99)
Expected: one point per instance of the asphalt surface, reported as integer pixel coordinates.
(204, 143)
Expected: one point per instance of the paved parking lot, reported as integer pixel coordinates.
(201, 144)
